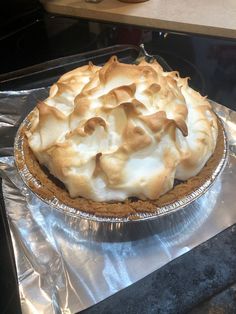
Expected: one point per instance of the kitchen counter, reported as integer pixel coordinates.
(215, 18)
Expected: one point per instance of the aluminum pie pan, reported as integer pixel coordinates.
(34, 184)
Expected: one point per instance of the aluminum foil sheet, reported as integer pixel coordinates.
(66, 264)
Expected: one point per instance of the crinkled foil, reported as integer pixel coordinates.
(66, 264)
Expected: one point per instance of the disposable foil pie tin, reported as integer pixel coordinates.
(35, 186)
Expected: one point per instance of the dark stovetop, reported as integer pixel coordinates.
(201, 281)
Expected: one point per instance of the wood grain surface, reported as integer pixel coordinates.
(212, 17)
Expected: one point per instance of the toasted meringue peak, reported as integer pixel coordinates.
(122, 130)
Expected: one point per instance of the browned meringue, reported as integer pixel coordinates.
(122, 130)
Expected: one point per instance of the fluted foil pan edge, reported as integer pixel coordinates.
(166, 209)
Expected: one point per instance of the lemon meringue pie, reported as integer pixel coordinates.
(122, 130)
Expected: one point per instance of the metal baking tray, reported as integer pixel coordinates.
(44, 74)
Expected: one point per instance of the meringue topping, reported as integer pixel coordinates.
(122, 130)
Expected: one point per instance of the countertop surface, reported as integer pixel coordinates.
(217, 18)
